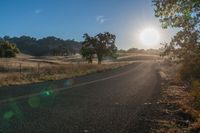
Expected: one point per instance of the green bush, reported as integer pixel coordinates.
(190, 68)
(8, 50)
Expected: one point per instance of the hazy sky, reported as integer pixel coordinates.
(70, 19)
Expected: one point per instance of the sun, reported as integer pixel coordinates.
(149, 37)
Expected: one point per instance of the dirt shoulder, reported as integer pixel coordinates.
(175, 111)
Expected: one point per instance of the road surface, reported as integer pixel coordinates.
(116, 101)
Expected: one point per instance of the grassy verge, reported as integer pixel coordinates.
(45, 72)
(178, 113)
(27, 69)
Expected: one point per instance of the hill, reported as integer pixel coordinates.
(46, 46)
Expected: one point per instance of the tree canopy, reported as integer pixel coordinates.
(185, 45)
(103, 44)
(87, 49)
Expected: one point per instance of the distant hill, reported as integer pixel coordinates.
(45, 46)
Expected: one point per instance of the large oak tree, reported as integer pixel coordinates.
(103, 44)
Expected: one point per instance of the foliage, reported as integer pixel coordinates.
(103, 44)
(87, 49)
(121, 51)
(196, 92)
(141, 51)
(8, 50)
(45, 46)
(184, 47)
(135, 50)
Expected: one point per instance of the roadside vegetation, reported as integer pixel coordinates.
(177, 109)
(23, 72)
(184, 47)
(182, 54)
(8, 50)
(25, 69)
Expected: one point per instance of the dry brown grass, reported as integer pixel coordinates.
(137, 56)
(177, 104)
(196, 93)
(15, 71)
(27, 69)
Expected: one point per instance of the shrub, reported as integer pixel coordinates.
(196, 93)
(8, 50)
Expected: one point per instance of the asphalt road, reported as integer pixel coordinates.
(116, 101)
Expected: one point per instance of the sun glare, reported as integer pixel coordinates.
(149, 37)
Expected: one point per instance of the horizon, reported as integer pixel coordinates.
(71, 19)
(76, 41)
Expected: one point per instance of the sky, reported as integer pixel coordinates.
(70, 19)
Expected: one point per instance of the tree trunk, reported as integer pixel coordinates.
(99, 56)
(90, 61)
(99, 62)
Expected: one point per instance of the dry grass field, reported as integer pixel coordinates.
(27, 69)
(137, 56)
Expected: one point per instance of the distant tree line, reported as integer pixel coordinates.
(102, 45)
(46, 46)
(141, 51)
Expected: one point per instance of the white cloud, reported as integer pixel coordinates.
(100, 19)
(37, 11)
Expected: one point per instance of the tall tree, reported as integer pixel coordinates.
(87, 49)
(185, 45)
(103, 44)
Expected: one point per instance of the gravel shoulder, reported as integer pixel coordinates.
(175, 112)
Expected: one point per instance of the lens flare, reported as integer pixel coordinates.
(8, 115)
(150, 37)
(34, 102)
